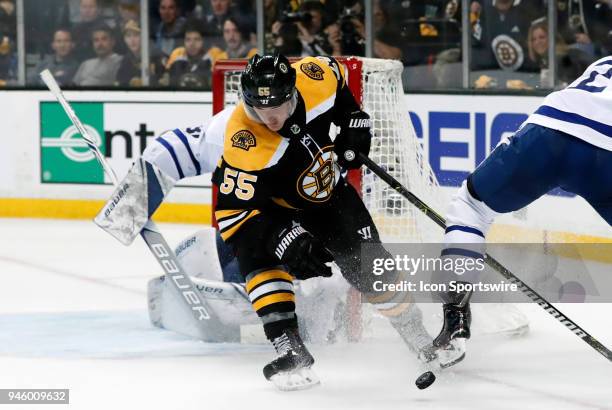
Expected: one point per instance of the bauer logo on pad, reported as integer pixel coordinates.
(243, 139)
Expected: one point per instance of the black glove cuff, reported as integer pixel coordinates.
(285, 238)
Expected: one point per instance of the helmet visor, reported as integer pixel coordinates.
(273, 117)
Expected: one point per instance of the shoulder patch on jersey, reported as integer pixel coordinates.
(312, 70)
(250, 146)
(244, 139)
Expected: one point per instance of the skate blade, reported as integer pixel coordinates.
(300, 379)
(452, 354)
(516, 332)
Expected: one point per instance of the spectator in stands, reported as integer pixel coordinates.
(310, 30)
(191, 66)
(8, 19)
(130, 71)
(101, 70)
(352, 28)
(334, 38)
(171, 29)
(219, 11)
(8, 62)
(235, 36)
(425, 29)
(308, 26)
(586, 24)
(285, 39)
(61, 63)
(128, 10)
(387, 38)
(90, 19)
(332, 7)
(40, 25)
(500, 36)
(570, 62)
(8, 35)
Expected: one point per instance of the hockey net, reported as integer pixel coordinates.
(377, 85)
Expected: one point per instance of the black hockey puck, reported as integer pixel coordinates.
(425, 380)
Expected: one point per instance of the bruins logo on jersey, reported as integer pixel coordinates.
(243, 139)
(317, 182)
(312, 70)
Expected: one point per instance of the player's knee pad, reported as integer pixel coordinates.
(467, 218)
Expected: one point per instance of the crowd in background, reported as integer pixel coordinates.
(93, 43)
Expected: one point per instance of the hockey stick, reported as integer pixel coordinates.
(489, 260)
(175, 274)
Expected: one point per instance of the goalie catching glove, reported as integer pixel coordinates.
(304, 255)
(354, 139)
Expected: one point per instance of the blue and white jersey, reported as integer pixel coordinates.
(584, 108)
(190, 151)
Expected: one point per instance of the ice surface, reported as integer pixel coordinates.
(73, 315)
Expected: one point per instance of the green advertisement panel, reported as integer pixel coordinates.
(64, 157)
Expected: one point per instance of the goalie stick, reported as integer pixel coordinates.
(489, 260)
(174, 273)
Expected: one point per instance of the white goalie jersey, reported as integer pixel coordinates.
(191, 151)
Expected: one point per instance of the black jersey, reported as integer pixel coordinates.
(262, 171)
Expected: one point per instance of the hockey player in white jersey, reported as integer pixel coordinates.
(566, 143)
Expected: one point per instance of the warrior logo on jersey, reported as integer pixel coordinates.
(312, 70)
(243, 139)
(317, 182)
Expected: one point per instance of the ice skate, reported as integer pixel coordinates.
(291, 370)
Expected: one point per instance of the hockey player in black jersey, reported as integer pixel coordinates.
(286, 209)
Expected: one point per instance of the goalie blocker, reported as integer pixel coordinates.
(134, 201)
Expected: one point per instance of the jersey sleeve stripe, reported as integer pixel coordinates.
(223, 214)
(464, 229)
(574, 118)
(226, 222)
(168, 146)
(185, 142)
(461, 252)
(228, 230)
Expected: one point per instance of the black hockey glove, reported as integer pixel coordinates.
(304, 255)
(354, 138)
